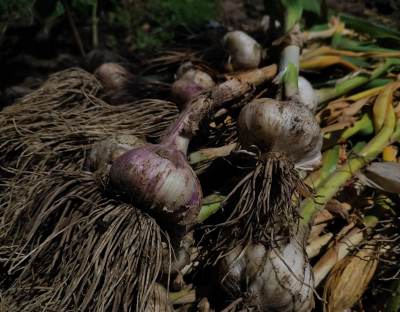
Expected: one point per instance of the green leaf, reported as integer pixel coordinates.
(288, 12)
(355, 61)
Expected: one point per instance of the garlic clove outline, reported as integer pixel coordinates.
(266, 281)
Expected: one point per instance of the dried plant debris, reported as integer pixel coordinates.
(82, 251)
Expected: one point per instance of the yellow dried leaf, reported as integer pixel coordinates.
(349, 278)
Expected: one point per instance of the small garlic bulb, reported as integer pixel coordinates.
(266, 281)
(106, 151)
(244, 51)
(178, 259)
(189, 72)
(307, 95)
(285, 127)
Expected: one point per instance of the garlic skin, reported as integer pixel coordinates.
(244, 51)
(159, 300)
(283, 127)
(266, 281)
(180, 257)
(106, 151)
(189, 72)
(158, 179)
(307, 95)
(113, 75)
(184, 91)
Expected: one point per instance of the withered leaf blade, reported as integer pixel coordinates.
(349, 278)
(382, 176)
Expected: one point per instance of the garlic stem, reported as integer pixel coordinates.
(329, 160)
(290, 54)
(331, 185)
(324, 95)
(314, 248)
(337, 252)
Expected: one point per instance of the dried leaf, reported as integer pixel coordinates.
(349, 279)
(382, 176)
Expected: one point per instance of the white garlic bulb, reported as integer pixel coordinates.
(307, 95)
(285, 127)
(189, 72)
(178, 259)
(243, 50)
(107, 150)
(266, 281)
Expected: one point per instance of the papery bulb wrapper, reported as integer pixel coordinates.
(285, 127)
(307, 95)
(184, 91)
(159, 179)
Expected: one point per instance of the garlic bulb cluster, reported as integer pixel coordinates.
(188, 72)
(283, 127)
(266, 281)
(244, 52)
(307, 95)
(158, 178)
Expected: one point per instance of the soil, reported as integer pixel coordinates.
(28, 55)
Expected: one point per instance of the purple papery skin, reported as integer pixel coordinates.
(158, 177)
(184, 92)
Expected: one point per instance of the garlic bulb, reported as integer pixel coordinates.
(307, 95)
(266, 281)
(244, 52)
(283, 137)
(189, 72)
(158, 178)
(283, 127)
(113, 75)
(106, 151)
(184, 91)
(159, 300)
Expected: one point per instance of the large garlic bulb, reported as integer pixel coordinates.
(307, 95)
(266, 281)
(158, 179)
(189, 72)
(284, 127)
(244, 51)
